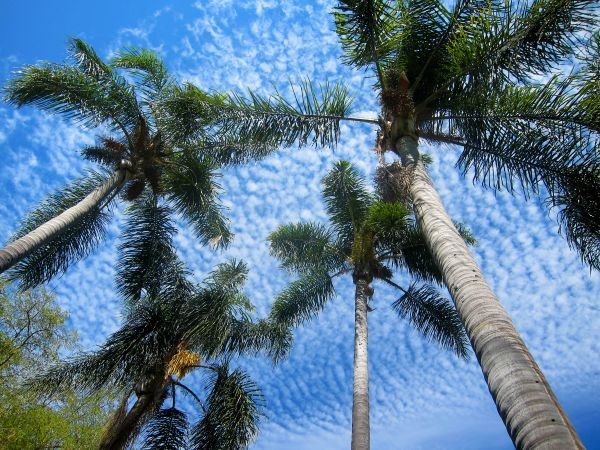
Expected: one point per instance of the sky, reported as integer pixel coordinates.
(421, 397)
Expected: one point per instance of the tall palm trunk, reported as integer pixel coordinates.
(360, 398)
(532, 415)
(19, 249)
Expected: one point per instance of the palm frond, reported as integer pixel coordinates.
(73, 244)
(413, 254)
(229, 276)
(137, 351)
(266, 336)
(166, 430)
(303, 247)
(577, 195)
(302, 299)
(88, 61)
(365, 29)
(208, 318)
(388, 223)
(312, 117)
(186, 112)
(147, 66)
(434, 316)
(146, 251)
(234, 408)
(465, 233)
(66, 91)
(227, 149)
(514, 40)
(191, 188)
(108, 152)
(346, 198)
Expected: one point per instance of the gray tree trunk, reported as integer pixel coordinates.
(360, 399)
(532, 415)
(19, 249)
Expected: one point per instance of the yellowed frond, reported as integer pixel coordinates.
(182, 362)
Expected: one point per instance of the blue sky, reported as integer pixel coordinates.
(422, 398)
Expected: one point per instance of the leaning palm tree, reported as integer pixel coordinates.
(369, 239)
(166, 335)
(137, 159)
(462, 75)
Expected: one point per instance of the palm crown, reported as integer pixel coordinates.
(369, 238)
(155, 174)
(462, 75)
(178, 329)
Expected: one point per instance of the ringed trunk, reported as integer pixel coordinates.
(360, 398)
(19, 249)
(528, 407)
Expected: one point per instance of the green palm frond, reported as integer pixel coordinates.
(515, 40)
(303, 247)
(264, 336)
(388, 223)
(312, 117)
(146, 251)
(192, 191)
(346, 198)
(413, 254)
(136, 351)
(227, 149)
(147, 66)
(108, 152)
(234, 408)
(88, 61)
(75, 243)
(525, 155)
(465, 233)
(577, 195)
(69, 92)
(185, 112)
(166, 430)
(230, 276)
(302, 299)
(434, 316)
(365, 29)
(208, 318)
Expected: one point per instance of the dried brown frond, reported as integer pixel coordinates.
(393, 182)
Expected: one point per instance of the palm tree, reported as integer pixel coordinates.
(367, 238)
(139, 159)
(167, 334)
(463, 75)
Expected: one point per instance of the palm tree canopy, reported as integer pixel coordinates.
(365, 234)
(483, 75)
(178, 328)
(163, 172)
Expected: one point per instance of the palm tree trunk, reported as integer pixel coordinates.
(19, 249)
(360, 399)
(532, 415)
(121, 432)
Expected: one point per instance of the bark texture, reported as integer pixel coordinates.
(532, 415)
(360, 399)
(19, 249)
(127, 426)
(119, 435)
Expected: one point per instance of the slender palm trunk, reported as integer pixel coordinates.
(532, 415)
(360, 399)
(19, 249)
